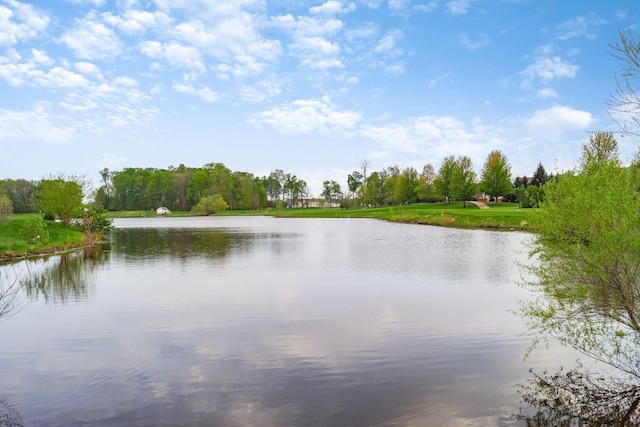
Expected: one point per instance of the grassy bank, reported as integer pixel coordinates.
(14, 245)
(502, 216)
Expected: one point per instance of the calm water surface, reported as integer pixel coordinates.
(256, 321)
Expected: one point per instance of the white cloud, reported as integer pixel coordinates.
(204, 93)
(547, 93)
(481, 41)
(332, 7)
(88, 68)
(20, 22)
(307, 116)
(35, 125)
(459, 7)
(429, 7)
(434, 135)
(178, 55)
(90, 39)
(387, 45)
(556, 121)
(138, 21)
(546, 69)
(398, 4)
(580, 26)
(98, 3)
(41, 57)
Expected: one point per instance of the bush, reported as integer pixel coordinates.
(34, 228)
(209, 205)
(95, 223)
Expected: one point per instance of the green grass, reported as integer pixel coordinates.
(501, 216)
(13, 244)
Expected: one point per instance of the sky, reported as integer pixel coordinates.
(310, 87)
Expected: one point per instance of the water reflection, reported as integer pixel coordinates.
(63, 278)
(273, 323)
(9, 417)
(580, 397)
(147, 243)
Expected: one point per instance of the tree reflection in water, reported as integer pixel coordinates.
(9, 417)
(68, 279)
(580, 398)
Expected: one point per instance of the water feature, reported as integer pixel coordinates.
(271, 322)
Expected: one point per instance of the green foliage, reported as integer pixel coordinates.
(443, 182)
(463, 180)
(209, 205)
(6, 207)
(495, 178)
(331, 191)
(95, 223)
(61, 197)
(530, 197)
(588, 247)
(34, 228)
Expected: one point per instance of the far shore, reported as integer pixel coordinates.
(497, 217)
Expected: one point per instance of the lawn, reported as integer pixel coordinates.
(14, 244)
(502, 216)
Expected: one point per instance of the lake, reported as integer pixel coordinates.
(259, 321)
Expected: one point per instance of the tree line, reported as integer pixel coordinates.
(214, 186)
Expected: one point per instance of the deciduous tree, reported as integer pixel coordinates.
(62, 196)
(463, 180)
(588, 247)
(495, 178)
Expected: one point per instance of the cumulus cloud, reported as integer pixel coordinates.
(176, 54)
(546, 69)
(138, 21)
(459, 7)
(204, 93)
(556, 121)
(332, 7)
(436, 135)
(97, 3)
(20, 22)
(307, 116)
(429, 7)
(91, 39)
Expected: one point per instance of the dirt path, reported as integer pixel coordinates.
(481, 205)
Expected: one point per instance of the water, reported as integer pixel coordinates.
(256, 321)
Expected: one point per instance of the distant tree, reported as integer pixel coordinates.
(364, 166)
(6, 207)
(372, 194)
(443, 182)
(209, 205)
(61, 197)
(495, 178)
(463, 180)
(539, 176)
(331, 190)
(354, 181)
(21, 193)
(426, 187)
(406, 186)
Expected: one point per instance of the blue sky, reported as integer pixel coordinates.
(310, 87)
